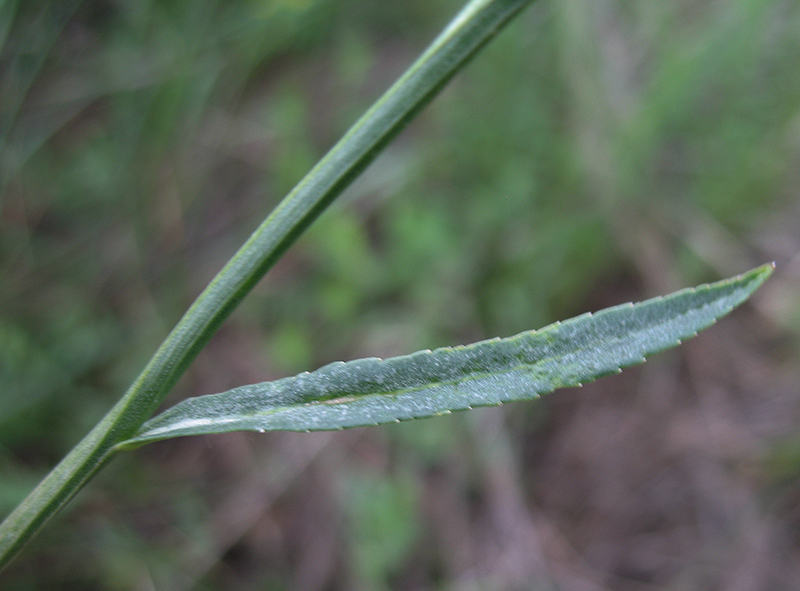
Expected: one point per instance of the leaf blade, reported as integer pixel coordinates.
(429, 383)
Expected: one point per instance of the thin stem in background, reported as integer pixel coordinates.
(470, 30)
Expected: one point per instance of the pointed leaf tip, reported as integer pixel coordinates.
(432, 383)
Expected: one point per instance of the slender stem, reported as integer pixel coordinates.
(477, 22)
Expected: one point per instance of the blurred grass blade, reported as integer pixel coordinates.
(469, 30)
(428, 383)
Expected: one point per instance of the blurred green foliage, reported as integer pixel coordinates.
(384, 525)
(592, 145)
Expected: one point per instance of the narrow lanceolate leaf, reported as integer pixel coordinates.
(428, 383)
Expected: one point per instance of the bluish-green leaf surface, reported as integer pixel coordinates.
(429, 383)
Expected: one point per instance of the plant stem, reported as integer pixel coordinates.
(474, 26)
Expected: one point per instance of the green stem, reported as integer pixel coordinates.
(477, 22)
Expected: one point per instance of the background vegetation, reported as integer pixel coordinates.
(595, 153)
